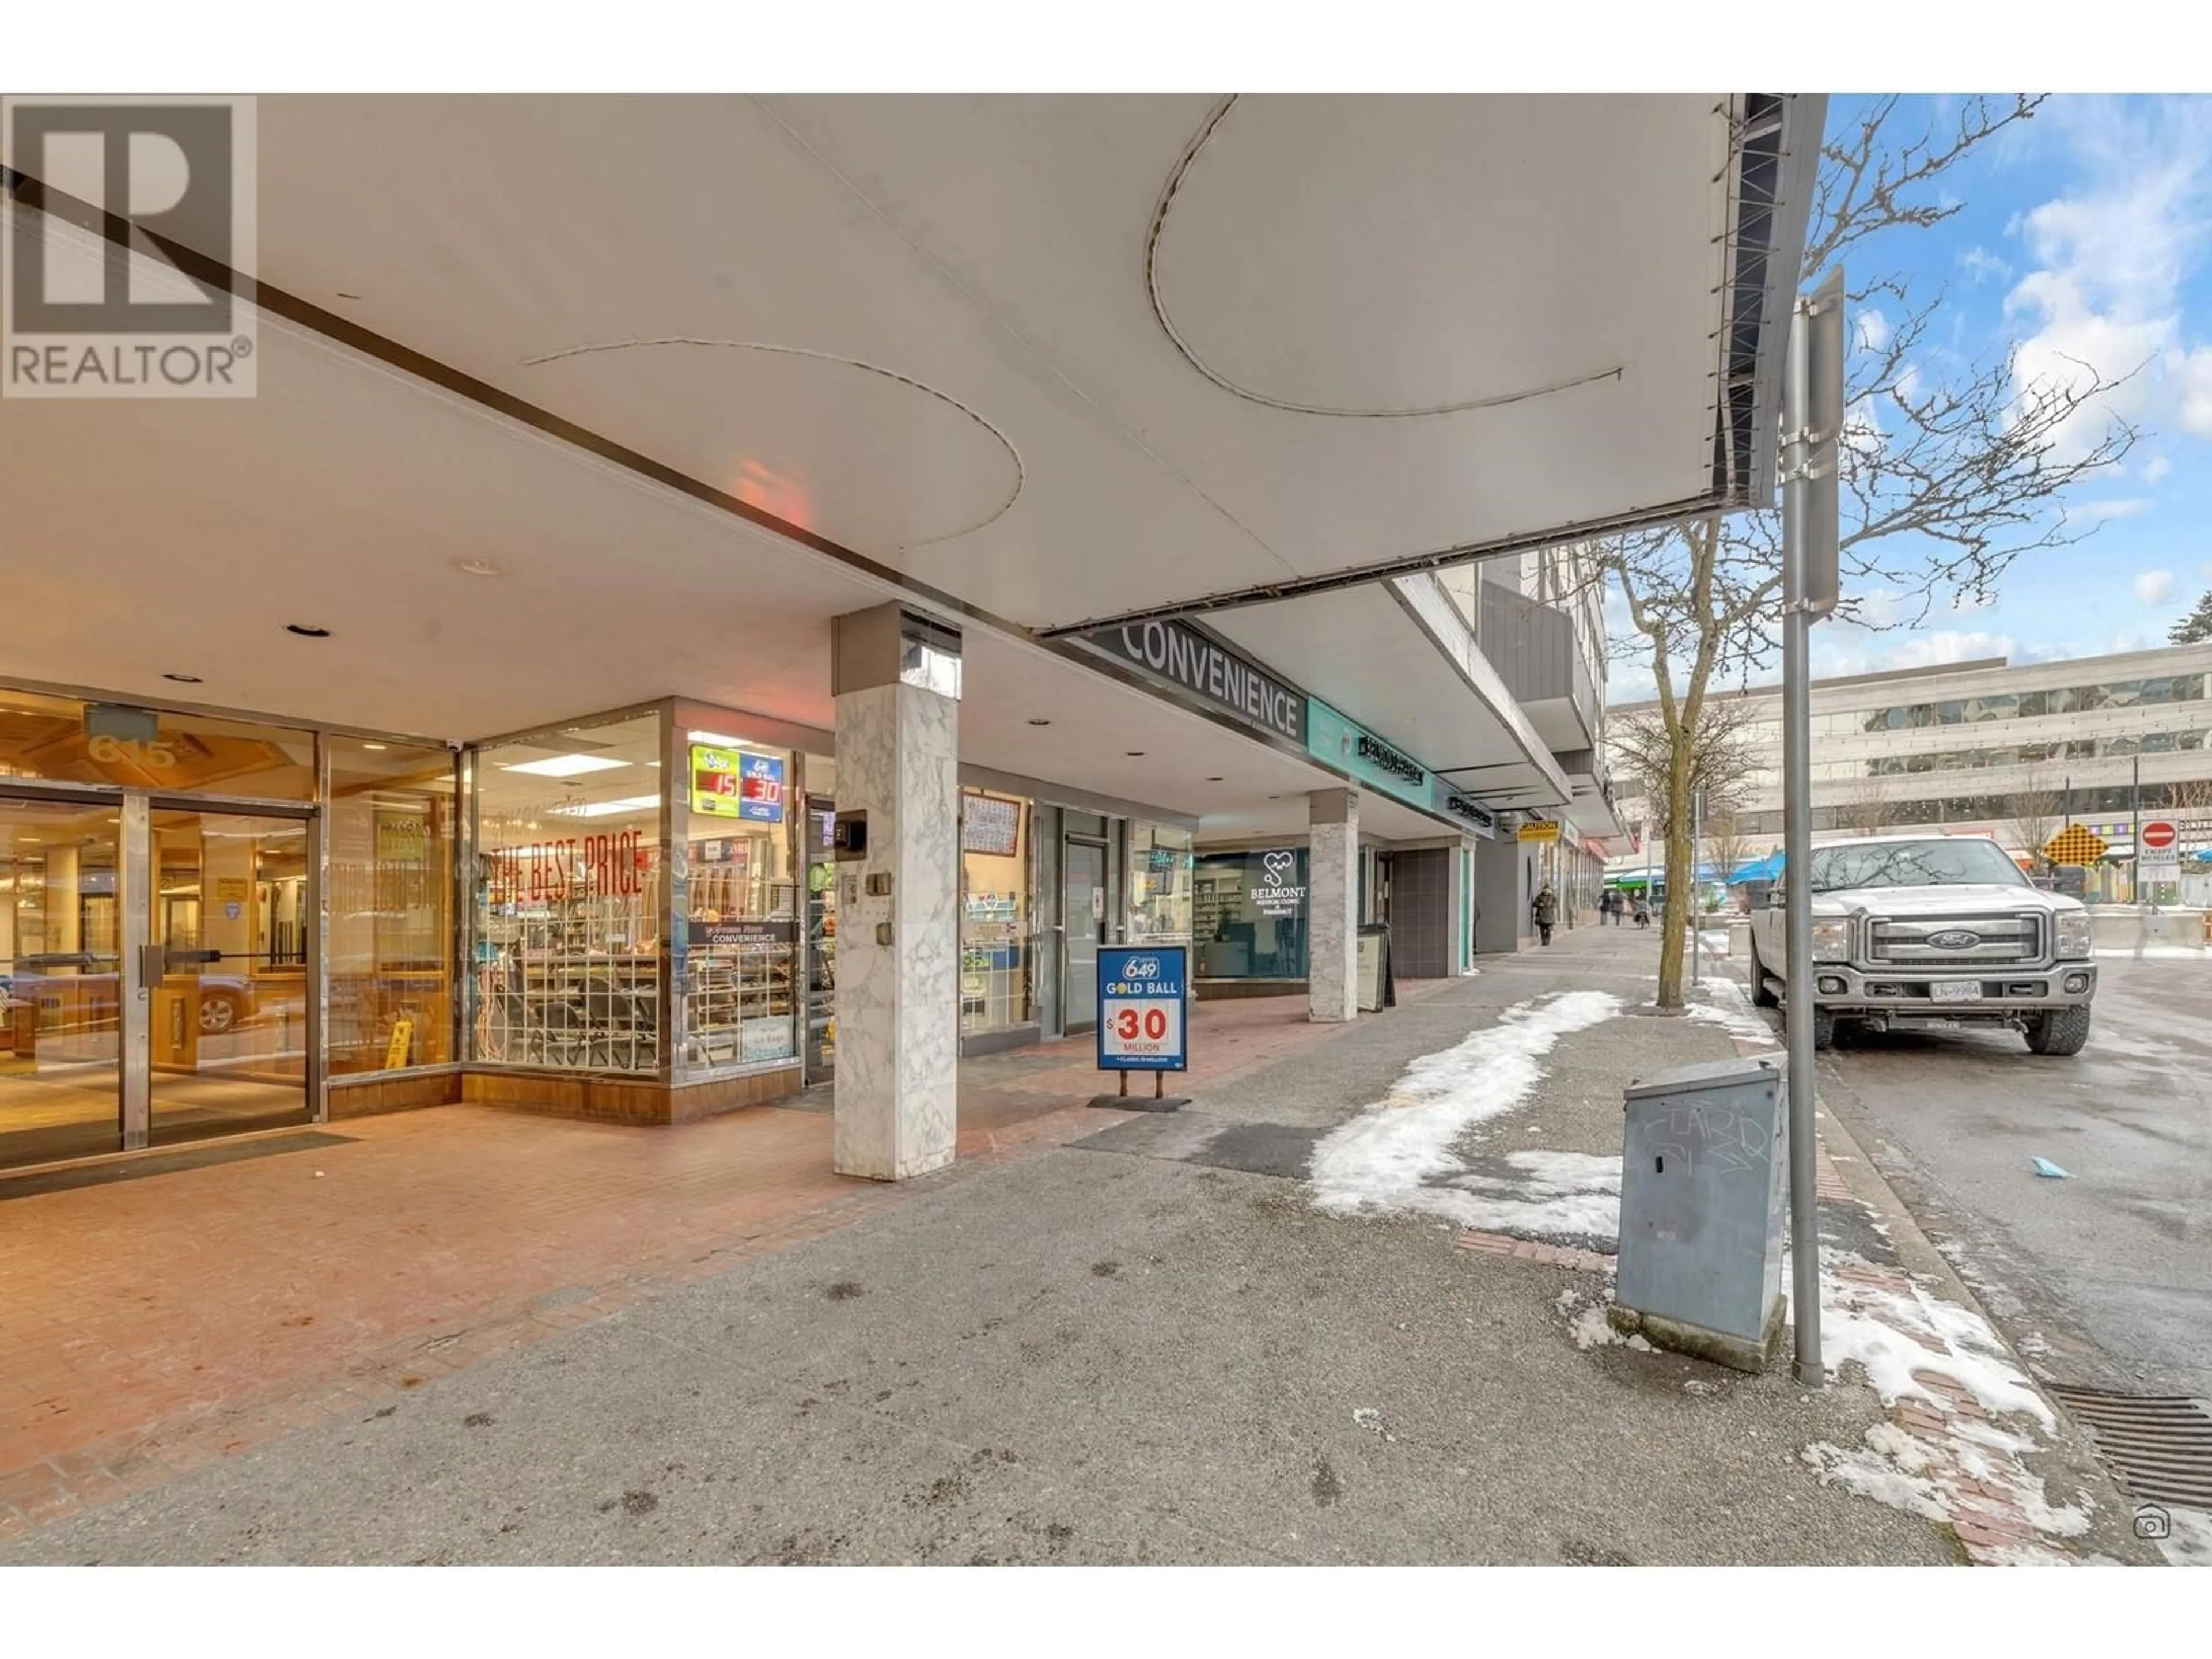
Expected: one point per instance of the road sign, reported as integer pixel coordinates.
(2152, 866)
(2074, 845)
(2159, 836)
(1141, 1026)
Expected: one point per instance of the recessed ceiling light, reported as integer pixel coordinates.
(306, 632)
(373, 745)
(1039, 722)
(565, 766)
(719, 740)
(479, 568)
(601, 808)
(183, 679)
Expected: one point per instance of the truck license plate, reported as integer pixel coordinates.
(1955, 990)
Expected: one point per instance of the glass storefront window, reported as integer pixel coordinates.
(53, 738)
(994, 912)
(571, 894)
(741, 928)
(392, 830)
(1160, 871)
(1248, 913)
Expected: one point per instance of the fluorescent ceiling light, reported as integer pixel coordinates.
(566, 766)
(599, 809)
(718, 739)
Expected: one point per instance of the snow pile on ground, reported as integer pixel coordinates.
(1966, 1349)
(1592, 1328)
(1572, 1194)
(1735, 1018)
(1891, 1335)
(1389, 1156)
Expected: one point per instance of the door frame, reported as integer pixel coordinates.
(139, 807)
(1072, 1022)
(135, 898)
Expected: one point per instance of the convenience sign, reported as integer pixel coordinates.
(1140, 1009)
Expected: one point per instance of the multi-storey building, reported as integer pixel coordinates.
(2013, 750)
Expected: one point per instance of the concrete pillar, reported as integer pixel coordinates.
(896, 677)
(1333, 905)
(1459, 899)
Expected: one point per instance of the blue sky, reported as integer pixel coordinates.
(2086, 236)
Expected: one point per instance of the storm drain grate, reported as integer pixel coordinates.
(2160, 1446)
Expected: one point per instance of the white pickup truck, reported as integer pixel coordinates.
(1934, 931)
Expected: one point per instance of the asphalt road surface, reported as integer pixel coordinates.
(2105, 1279)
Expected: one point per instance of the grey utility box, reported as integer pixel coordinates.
(1703, 1157)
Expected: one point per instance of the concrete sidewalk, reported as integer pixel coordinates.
(1148, 1344)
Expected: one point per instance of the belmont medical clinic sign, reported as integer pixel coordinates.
(80, 318)
(1180, 654)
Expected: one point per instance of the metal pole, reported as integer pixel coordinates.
(1798, 850)
(2134, 828)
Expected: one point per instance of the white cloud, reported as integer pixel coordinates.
(2104, 298)
(1873, 328)
(2097, 512)
(1982, 265)
(2155, 586)
(2156, 468)
(1950, 645)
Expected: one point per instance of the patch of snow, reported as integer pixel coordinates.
(2190, 1542)
(1966, 1350)
(1592, 1329)
(1391, 1156)
(1868, 1473)
(1568, 1298)
(1698, 1385)
(1728, 1007)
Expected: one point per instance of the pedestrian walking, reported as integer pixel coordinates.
(1545, 909)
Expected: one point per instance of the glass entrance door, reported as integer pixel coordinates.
(226, 982)
(61, 1044)
(1084, 906)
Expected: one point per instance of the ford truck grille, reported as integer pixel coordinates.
(2002, 941)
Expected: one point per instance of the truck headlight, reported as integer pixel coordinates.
(2073, 936)
(1832, 940)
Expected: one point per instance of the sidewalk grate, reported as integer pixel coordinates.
(2160, 1446)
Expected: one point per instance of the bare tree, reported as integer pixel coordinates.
(1865, 809)
(1722, 760)
(1951, 467)
(2037, 813)
(1727, 842)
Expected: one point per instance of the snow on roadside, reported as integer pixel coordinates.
(1736, 1020)
(1386, 1158)
(1592, 1328)
(2190, 1543)
(1854, 1329)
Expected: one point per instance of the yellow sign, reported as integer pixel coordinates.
(228, 892)
(1549, 831)
(2074, 845)
(403, 1035)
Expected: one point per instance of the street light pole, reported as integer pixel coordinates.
(1812, 398)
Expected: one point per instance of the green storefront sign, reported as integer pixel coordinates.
(1340, 741)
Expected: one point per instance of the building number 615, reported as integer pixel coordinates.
(1154, 1023)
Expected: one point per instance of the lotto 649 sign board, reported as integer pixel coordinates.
(1140, 1010)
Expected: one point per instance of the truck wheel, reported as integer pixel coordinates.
(2060, 1032)
(1761, 996)
(1823, 1028)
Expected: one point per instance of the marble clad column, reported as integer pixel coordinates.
(897, 1001)
(1333, 905)
(1458, 898)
